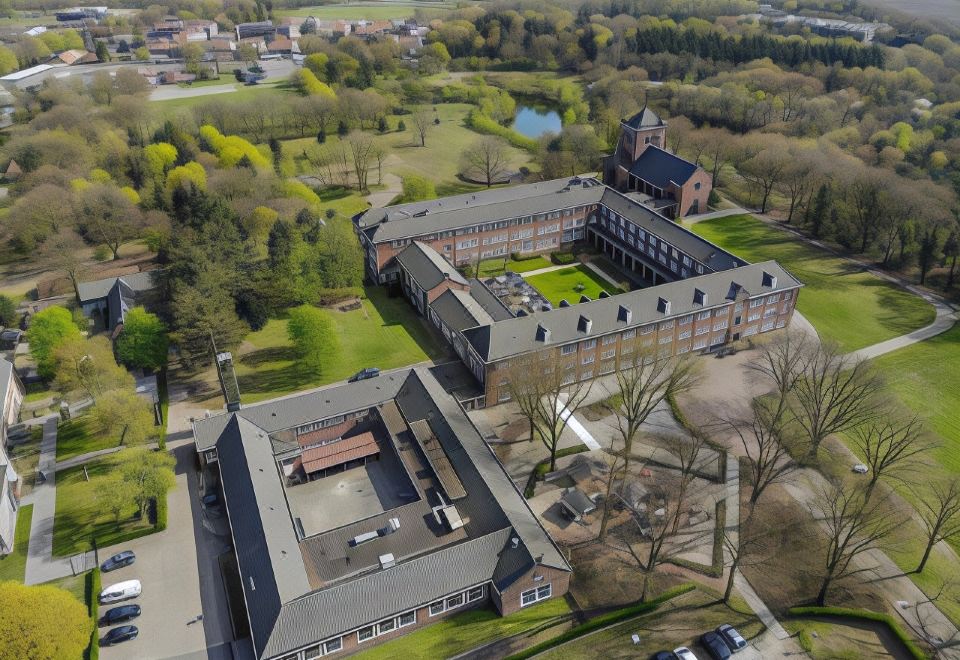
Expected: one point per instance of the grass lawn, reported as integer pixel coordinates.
(219, 80)
(438, 161)
(462, 632)
(75, 438)
(566, 282)
(81, 511)
(492, 267)
(677, 622)
(75, 584)
(12, 566)
(384, 333)
(365, 10)
(835, 641)
(845, 304)
(242, 93)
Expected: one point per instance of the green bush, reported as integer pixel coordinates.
(867, 615)
(484, 124)
(523, 256)
(604, 620)
(562, 258)
(161, 523)
(334, 296)
(93, 587)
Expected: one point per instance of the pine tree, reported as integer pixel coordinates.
(821, 204)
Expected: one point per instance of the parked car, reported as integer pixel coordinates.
(735, 641)
(715, 646)
(683, 653)
(119, 634)
(860, 468)
(663, 655)
(120, 614)
(119, 560)
(120, 591)
(364, 374)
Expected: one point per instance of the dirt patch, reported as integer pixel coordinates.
(515, 430)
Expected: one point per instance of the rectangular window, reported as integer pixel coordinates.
(365, 633)
(717, 339)
(436, 608)
(606, 355)
(647, 329)
(703, 316)
(767, 325)
(589, 344)
(774, 298)
(788, 295)
(753, 316)
(568, 349)
(702, 330)
(720, 325)
(699, 343)
(629, 334)
(756, 302)
(333, 645)
(770, 311)
(609, 339)
(667, 339)
(684, 334)
(687, 320)
(454, 601)
(666, 325)
(588, 359)
(587, 375)
(475, 594)
(312, 652)
(544, 592)
(683, 349)
(407, 619)
(386, 626)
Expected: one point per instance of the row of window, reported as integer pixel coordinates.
(532, 596)
(332, 421)
(386, 626)
(457, 600)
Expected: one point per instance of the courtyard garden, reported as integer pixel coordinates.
(571, 283)
(382, 332)
(494, 267)
(842, 301)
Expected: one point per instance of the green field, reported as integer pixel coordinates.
(81, 511)
(462, 632)
(384, 333)
(13, 565)
(74, 438)
(566, 283)
(365, 10)
(492, 267)
(242, 93)
(843, 302)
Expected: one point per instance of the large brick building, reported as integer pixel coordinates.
(641, 165)
(690, 295)
(364, 511)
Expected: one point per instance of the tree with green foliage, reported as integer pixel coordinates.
(417, 188)
(821, 205)
(103, 54)
(8, 61)
(206, 311)
(125, 416)
(143, 341)
(339, 256)
(313, 335)
(8, 311)
(41, 622)
(929, 249)
(382, 125)
(87, 366)
(951, 251)
(49, 329)
(150, 474)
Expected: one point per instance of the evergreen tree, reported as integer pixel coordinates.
(322, 136)
(342, 128)
(929, 247)
(951, 250)
(382, 125)
(821, 204)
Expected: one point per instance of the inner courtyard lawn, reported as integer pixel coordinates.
(564, 284)
(493, 267)
(462, 632)
(842, 301)
(385, 332)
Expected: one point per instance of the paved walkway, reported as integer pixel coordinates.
(89, 456)
(576, 426)
(381, 198)
(42, 566)
(548, 269)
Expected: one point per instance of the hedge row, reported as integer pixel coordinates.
(605, 620)
(562, 258)
(93, 587)
(484, 124)
(849, 613)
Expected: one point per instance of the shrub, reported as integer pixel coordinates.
(562, 258)
(101, 253)
(8, 311)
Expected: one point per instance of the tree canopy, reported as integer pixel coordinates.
(41, 622)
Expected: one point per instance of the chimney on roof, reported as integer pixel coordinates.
(584, 299)
(624, 315)
(663, 306)
(387, 560)
(543, 333)
(699, 297)
(769, 280)
(584, 324)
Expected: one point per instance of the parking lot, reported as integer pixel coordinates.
(175, 590)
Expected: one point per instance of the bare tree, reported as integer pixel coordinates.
(523, 376)
(422, 122)
(940, 511)
(854, 525)
(747, 545)
(361, 149)
(834, 394)
(486, 160)
(781, 362)
(64, 252)
(687, 451)
(766, 446)
(889, 444)
(615, 471)
(765, 170)
(560, 400)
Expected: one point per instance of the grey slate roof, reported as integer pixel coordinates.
(490, 303)
(701, 249)
(646, 118)
(420, 218)
(660, 168)
(519, 335)
(137, 282)
(459, 310)
(427, 267)
(285, 613)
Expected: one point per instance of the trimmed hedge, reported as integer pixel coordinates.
(93, 587)
(867, 615)
(523, 256)
(543, 466)
(605, 620)
(562, 258)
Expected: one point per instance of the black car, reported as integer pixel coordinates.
(734, 640)
(663, 655)
(715, 645)
(369, 372)
(119, 560)
(120, 614)
(119, 634)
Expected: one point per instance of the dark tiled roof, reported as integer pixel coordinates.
(519, 335)
(97, 289)
(646, 118)
(458, 310)
(660, 168)
(427, 266)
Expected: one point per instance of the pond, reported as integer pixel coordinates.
(535, 121)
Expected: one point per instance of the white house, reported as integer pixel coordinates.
(11, 397)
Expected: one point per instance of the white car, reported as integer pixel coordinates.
(120, 591)
(683, 653)
(860, 468)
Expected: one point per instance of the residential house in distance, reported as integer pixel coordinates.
(76, 56)
(258, 29)
(689, 295)
(431, 524)
(107, 301)
(11, 398)
(641, 165)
